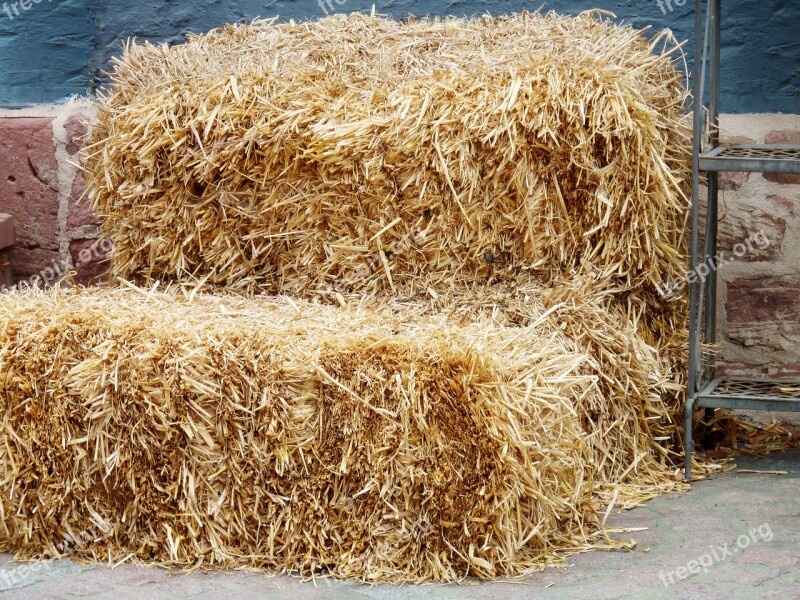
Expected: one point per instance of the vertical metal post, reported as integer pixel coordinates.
(698, 84)
(712, 211)
(697, 107)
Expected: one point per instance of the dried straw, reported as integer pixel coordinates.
(629, 415)
(383, 443)
(360, 154)
(491, 203)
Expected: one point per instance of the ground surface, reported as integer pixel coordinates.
(739, 532)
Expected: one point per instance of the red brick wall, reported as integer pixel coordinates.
(759, 292)
(40, 186)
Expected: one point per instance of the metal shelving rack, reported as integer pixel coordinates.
(705, 390)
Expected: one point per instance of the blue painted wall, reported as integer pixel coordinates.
(50, 49)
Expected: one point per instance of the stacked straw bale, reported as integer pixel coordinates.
(359, 154)
(377, 443)
(492, 205)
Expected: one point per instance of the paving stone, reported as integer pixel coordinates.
(186, 586)
(30, 594)
(129, 575)
(707, 523)
(784, 592)
(83, 585)
(732, 572)
(694, 590)
(770, 557)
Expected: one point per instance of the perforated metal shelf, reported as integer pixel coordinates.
(750, 394)
(752, 158)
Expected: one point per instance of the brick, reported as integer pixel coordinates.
(89, 257)
(79, 212)
(782, 137)
(786, 136)
(765, 312)
(787, 205)
(760, 228)
(29, 263)
(6, 230)
(29, 191)
(75, 129)
(760, 231)
(5, 268)
(735, 139)
(6, 240)
(751, 237)
(783, 178)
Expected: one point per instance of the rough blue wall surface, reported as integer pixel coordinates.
(45, 51)
(54, 48)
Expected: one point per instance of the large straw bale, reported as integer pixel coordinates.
(375, 443)
(359, 153)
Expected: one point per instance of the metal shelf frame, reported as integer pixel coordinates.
(752, 158)
(704, 389)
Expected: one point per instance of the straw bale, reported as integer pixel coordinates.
(358, 154)
(380, 443)
(632, 412)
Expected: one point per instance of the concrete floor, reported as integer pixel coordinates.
(735, 536)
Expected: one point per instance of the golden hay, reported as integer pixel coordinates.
(278, 434)
(629, 414)
(516, 183)
(358, 154)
